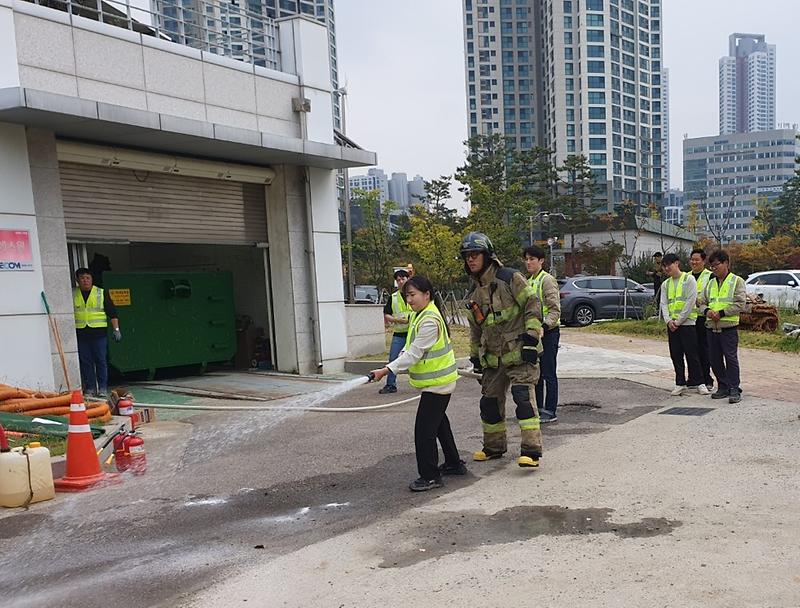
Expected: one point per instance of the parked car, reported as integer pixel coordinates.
(585, 299)
(780, 288)
(366, 294)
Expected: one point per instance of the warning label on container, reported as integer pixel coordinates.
(120, 297)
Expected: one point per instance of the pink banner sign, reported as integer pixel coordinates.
(15, 250)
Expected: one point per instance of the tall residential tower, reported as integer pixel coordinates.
(747, 85)
(579, 77)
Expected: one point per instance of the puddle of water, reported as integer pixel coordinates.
(447, 533)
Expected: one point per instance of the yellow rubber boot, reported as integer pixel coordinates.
(481, 456)
(527, 462)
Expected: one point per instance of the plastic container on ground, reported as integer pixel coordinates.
(15, 483)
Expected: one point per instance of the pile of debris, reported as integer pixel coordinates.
(760, 316)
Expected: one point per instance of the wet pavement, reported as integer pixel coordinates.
(225, 490)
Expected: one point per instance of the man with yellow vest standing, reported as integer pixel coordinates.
(723, 300)
(546, 288)
(396, 313)
(93, 310)
(702, 275)
(678, 297)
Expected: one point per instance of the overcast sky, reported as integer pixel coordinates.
(403, 61)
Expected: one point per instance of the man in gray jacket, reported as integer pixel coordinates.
(723, 300)
(678, 297)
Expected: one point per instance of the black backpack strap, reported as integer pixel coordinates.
(505, 274)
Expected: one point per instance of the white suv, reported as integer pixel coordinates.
(780, 288)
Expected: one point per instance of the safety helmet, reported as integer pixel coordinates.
(477, 242)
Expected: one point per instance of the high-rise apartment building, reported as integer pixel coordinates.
(244, 30)
(576, 76)
(747, 85)
(727, 176)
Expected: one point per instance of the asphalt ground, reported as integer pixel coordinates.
(226, 491)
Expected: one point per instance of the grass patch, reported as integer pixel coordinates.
(56, 445)
(459, 336)
(652, 328)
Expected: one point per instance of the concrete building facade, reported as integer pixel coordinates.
(161, 156)
(575, 77)
(747, 85)
(726, 176)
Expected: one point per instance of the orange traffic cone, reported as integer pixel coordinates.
(83, 465)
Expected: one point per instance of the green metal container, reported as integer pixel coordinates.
(171, 319)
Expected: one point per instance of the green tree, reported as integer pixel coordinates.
(437, 194)
(782, 218)
(576, 198)
(375, 248)
(434, 247)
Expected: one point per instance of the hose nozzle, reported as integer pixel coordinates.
(370, 377)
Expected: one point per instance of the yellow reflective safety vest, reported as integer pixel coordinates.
(703, 279)
(400, 310)
(676, 296)
(720, 297)
(536, 284)
(89, 313)
(438, 365)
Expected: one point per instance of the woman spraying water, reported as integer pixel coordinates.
(428, 356)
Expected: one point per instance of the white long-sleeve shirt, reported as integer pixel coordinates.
(427, 335)
(690, 297)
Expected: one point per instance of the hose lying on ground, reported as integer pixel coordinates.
(252, 408)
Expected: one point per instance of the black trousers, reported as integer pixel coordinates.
(432, 424)
(683, 344)
(702, 350)
(723, 350)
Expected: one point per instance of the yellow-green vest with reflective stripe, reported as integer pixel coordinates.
(702, 280)
(89, 313)
(720, 297)
(438, 365)
(401, 310)
(536, 283)
(676, 297)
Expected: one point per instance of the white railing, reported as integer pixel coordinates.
(213, 26)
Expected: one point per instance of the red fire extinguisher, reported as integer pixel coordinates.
(134, 450)
(120, 458)
(125, 408)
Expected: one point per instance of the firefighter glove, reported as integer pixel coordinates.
(117, 335)
(529, 352)
(476, 365)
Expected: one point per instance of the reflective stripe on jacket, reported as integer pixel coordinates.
(721, 297)
(676, 296)
(536, 284)
(400, 310)
(438, 365)
(89, 312)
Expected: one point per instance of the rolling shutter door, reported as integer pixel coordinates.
(106, 203)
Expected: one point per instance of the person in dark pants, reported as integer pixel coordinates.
(546, 288)
(93, 311)
(657, 274)
(701, 275)
(428, 356)
(678, 298)
(724, 299)
(396, 313)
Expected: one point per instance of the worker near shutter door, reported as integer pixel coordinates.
(678, 299)
(428, 356)
(701, 274)
(546, 288)
(93, 311)
(396, 312)
(723, 300)
(505, 331)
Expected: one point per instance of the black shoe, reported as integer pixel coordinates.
(422, 485)
(546, 416)
(720, 394)
(387, 389)
(450, 469)
(735, 395)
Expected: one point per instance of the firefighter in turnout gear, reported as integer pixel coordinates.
(505, 333)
